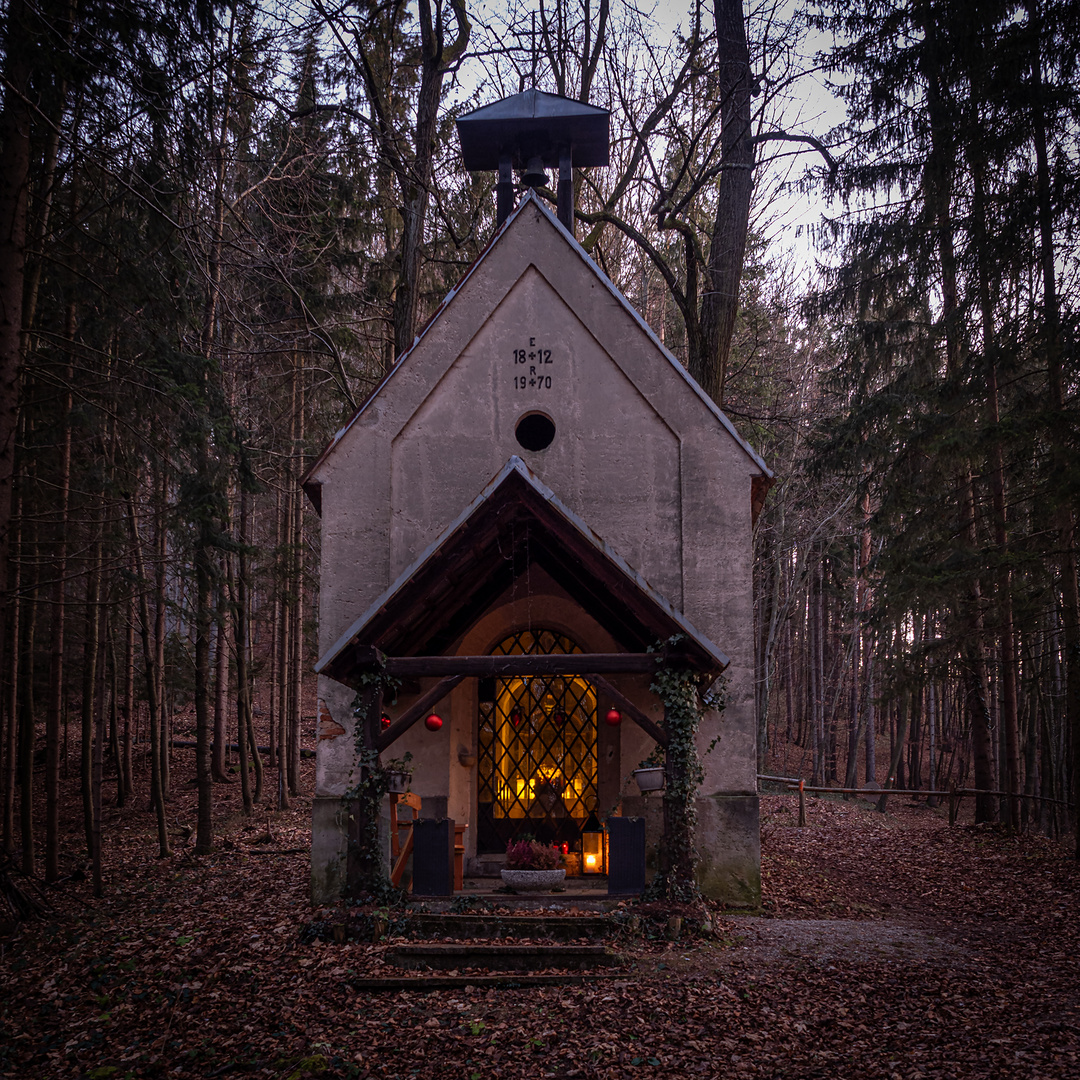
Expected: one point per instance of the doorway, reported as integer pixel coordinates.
(537, 750)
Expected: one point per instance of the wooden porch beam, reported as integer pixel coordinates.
(623, 703)
(411, 715)
(523, 665)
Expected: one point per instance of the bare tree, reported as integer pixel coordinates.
(406, 139)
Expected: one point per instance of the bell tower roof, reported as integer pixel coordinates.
(534, 124)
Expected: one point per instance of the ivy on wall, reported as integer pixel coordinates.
(367, 877)
(681, 694)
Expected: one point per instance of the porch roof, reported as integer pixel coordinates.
(514, 523)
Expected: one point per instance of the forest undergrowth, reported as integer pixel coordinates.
(888, 945)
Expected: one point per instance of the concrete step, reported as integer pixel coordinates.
(555, 927)
(444, 956)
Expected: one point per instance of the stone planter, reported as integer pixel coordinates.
(533, 880)
(651, 779)
(399, 783)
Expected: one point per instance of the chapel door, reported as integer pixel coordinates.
(537, 751)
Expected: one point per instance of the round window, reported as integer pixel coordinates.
(535, 431)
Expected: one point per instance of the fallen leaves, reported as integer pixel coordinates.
(898, 947)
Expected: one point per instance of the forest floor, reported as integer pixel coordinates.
(888, 945)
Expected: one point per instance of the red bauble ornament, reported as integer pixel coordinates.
(384, 723)
(433, 722)
(614, 717)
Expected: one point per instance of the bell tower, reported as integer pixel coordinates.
(531, 132)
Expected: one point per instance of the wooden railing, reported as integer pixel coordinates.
(954, 795)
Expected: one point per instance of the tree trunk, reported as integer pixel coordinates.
(153, 676)
(27, 718)
(276, 618)
(931, 719)
(221, 685)
(204, 839)
(161, 601)
(938, 183)
(871, 726)
(243, 685)
(297, 589)
(130, 720)
(96, 769)
(727, 251)
(1060, 463)
(898, 749)
(11, 703)
(15, 128)
(89, 682)
(284, 667)
(414, 177)
(55, 704)
(1007, 641)
(114, 710)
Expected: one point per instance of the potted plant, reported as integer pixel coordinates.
(531, 865)
(649, 774)
(400, 771)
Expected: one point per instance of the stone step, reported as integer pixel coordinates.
(555, 927)
(517, 981)
(445, 956)
(593, 900)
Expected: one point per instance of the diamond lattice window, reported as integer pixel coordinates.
(537, 743)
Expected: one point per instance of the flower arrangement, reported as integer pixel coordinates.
(528, 854)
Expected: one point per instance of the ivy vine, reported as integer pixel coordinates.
(364, 797)
(684, 704)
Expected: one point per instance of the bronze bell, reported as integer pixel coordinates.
(534, 175)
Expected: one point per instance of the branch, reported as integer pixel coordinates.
(642, 242)
(810, 140)
(451, 54)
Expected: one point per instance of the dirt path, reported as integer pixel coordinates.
(830, 941)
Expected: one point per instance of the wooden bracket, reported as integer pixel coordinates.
(631, 710)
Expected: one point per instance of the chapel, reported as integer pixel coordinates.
(535, 499)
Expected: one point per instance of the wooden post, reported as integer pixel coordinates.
(362, 863)
(802, 804)
(954, 805)
(372, 720)
(670, 821)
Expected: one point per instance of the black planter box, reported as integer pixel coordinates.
(626, 856)
(433, 857)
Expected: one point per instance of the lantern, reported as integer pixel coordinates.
(433, 722)
(592, 845)
(613, 717)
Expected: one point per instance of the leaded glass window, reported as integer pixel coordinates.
(537, 750)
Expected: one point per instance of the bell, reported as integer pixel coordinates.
(534, 175)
